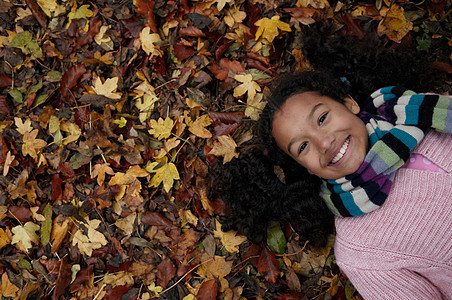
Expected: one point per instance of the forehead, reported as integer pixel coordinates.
(300, 105)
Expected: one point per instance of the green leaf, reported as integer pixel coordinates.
(24, 264)
(17, 96)
(46, 226)
(54, 76)
(34, 49)
(275, 238)
(40, 100)
(349, 290)
(258, 74)
(78, 160)
(36, 87)
(21, 39)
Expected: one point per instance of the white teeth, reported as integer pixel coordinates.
(341, 152)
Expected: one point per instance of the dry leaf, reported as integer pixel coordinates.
(108, 88)
(93, 240)
(127, 224)
(394, 24)
(31, 144)
(198, 127)
(225, 147)
(147, 40)
(268, 28)
(100, 170)
(248, 86)
(229, 239)
(8, 289)
(25, 234)
(23, 127)
(165, 172)
(254, 106)
(161, 129)
(4, 239)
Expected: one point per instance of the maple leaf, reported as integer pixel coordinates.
(148, 41)
(268, 28)
(31, 144)
(229, 239)
(25, 234)
(147, 98)
(8, 289)
(4, 239)
(164, 172)
(93, 240)
(254, 106)
(127, 224)
(216, 268)
(248, 86)
(234, 16)
(313, 3)
(23, 127)
(198, 127)
(100, 170)
(161, 129)
(222, 3)
(74, 132)
(107, 88)
(225, 147)
(168, 145)
(394, 24)
(103, 40)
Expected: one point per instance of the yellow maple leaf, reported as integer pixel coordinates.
(8, 289)
(48, 6)
(127, 224)
(268, 28)
(107, 88)
(222, 3)
(254, 106)
(234, 16)
(73, 130)
(31, 144)
(198, 127)
(80, 13)
(148, 41)
(25, 234)
(100, 170)
(248, 86)
(168, 145)
(394, 24)
(161, 129)
(23, 127)
(225, 147)
(313, 3)
(92, 240)
(229, 239)
(146, 99)
(102, 39)
(165, 172)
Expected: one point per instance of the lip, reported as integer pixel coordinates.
(338, 148)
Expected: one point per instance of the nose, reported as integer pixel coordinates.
(323, 141)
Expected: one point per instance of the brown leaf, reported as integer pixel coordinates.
(146, 9)
(208, 290)
(63, 280)
(191, 31)
(37, 13)
(183, 52)
(165, 272)
(353, 26)
(23, 214)
(83, 276)
(117, 293)
(5, 81)
(97, 100)
(70, 77)
(4, 107)
(267, 265)
(155, 219)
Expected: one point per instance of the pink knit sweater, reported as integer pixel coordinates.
(403, 250)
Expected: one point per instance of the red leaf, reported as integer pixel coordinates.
(83, 276)
(30, 99)
(123, 267)
(165, 272)
(290, 296)
(3, 150)
(155, 219)
(4, 107)
(146, 8)
(227, 117)
(267, 265)
(301, 12)
(70, 77)
(63, 280)
(442, 66)
(182, 52)
(208, 290)
(23, 214)
(37, 12)
(219, 52)
(5, 81)
(56, 186)
(66, 170)
(353, 26)
(52, 266)
(191, 31)
(87, 38)
(222, 129)
(117, 292)
(251, 63)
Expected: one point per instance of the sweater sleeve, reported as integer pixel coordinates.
(394, 284)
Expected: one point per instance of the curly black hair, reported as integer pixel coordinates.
(343, 66)
(255, 195)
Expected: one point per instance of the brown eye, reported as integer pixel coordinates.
(302, 146)
(322, 118)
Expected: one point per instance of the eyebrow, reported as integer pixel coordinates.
(311, 114)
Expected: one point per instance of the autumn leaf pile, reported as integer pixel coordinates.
(111, 113)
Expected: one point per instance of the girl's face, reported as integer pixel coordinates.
(321, 134)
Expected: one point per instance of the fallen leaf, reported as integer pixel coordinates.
(127, 224)
(23, 127)
(229, 239)
(254, 106)
(165, 172)
(394, 24)
(161, 129)
(31, 144)
(25, 234)
(225, 147)
(92, 240)
(100, 170)
(267, 265)
(268, 28)
(148, 41)
(8, 289)
(248, 86)
(108, 88)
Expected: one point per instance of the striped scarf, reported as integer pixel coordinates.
(395, 119)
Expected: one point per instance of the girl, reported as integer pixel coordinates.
(398, 244)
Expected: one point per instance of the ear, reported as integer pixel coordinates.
(351, 104)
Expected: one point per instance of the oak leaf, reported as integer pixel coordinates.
(229, 239)
(31, 144)
(92, 240)
(248, 86)
(161, 129)
(225, 147)
(25, 234)
(108, 88)
(165, 172)
(268, 28)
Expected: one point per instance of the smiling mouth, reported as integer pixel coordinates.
(341, 152)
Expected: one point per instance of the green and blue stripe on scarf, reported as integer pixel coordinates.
(396, 119)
